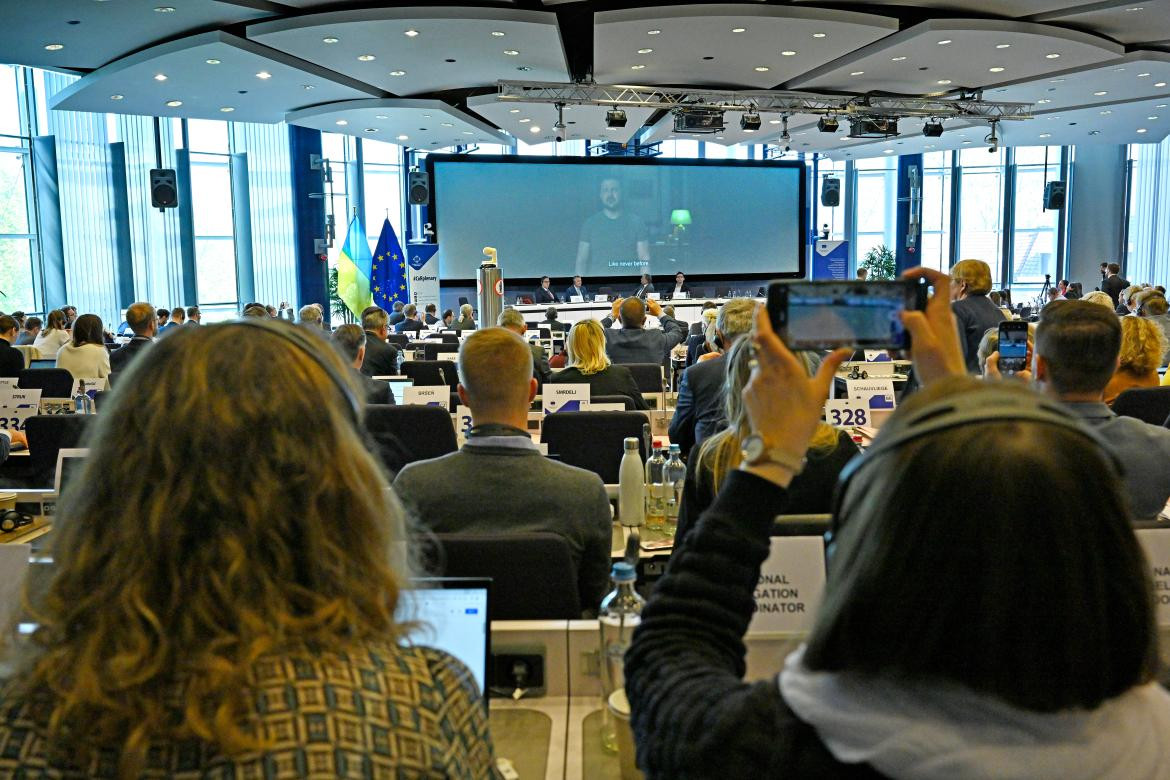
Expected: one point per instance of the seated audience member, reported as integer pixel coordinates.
(680, 285)
(28, 334)
(551, 322)
(396, 316)
(178, 317)
(924, 660)
(712, 346)
(1126, 300)
(254, 311)
(1053, 295)
(429, 317)
(381, 358)
(1142, 347)
(1152, 305)
(20, 318)
(811, 492)
(448, 318)
(634, 342)
(702, 390)
(700, 328)
(514, 321)
(646, 286)
(310, 316)
(144, 322)
(350, 343)
(164, 317)
(194, 317)
(544, 293)
(466, 321)
(1077, 349)
(862, 274)
(989, 345)
(54, 336)
(1099, 298)
(970, 284)
(577, 288)
(586, 363)
(411, 323)
(499, 482)
(86, 357)
(118, 681)
(70, 312)
(11, 358)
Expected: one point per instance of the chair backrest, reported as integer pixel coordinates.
(1148, 404)
(52, 382)
(615, 399)
(450, 337)
(532, 574)
(431, 373)
(647, 376)
(398, 339)
(463, 301)
(47, 435)
(100, 399)
(593, 441)
(433, 350)
(404, 434)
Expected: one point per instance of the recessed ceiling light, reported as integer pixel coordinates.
(996, 69)
(944, 42)
(397, 73)
(497, 33)
(1119, 70)
(944, 82)
(164, 9)
(1160, 105)
(788, 53)
(370, 130)
(654, 32)
(1106, 113)
(1043, 101)
(1055, 81)
(928, 146)
(762, 69)
(307, 86)
(342, 122)
(513, 111)
(212, 62)
(1101, 93)
(1046, 135)
(410, 33)
(160, 77)
(637, 67)
(773, 121)
(843, 138)
(967, 141)
(1152, 118)
(512, 52)
(887, 151)
(523, 68)
(645, 51)
(263, 75)
(533, 129)
(1142, 75)
(1003, 45)
(1141, 129)
(819, 35)
(1053, 56)
(227, 109)
(1159, 83)
(448, 124)
(366, 58)
(330, 39)
(1135, 8)
(738, 29)
(896, 59)
(525, 120)
(116, 97)
(174, 103)
(857, 73)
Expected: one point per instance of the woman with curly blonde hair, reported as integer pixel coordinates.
(224, 598)
(1142, 346)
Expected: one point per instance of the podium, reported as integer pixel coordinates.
(830, 260)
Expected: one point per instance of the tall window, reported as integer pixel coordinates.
(18, 239)
(877, 202)
(1034, 234)
(935, 248)
(981, 208)
(211, 203)
(382, 168)
(338, 150)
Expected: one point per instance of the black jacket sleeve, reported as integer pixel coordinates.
(682, 425)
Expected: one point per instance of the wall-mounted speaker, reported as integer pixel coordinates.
(419, 188)
(830, 192)
(1054, 195)
(164, 193)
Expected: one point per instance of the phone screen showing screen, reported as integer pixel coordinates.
(1013, 346)
(826, 315)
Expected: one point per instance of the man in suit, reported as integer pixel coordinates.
(543, 293)
(143, 321)
(350, 343)
(411, 323)
(429, 317)
(578, 288)
(11, 359)
(193, 316)
(634, 342)
(680, 285)
(701, 394)
(499, 482)
(551, 322)
(397, 316)
(1113, 283)
(514, 321)
(647, 287)
(381, 359)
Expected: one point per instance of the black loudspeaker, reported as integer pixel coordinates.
(830, 192)
(419, 191)
(1054, 195)
(164, 194)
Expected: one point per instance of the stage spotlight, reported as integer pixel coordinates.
(615, 117)
(932, 129)
(992, 139)
(749, 123)
(828, 124)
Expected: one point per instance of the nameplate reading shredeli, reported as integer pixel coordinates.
(877, 393)
(427, 396)
(792, 580)
(564, 398)
(1156, 542)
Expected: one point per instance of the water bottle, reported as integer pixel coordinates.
(620, 614)
(82, 403)
(655, 490)
(631, 486)
(675, 477)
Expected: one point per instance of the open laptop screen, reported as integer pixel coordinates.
(453, 617)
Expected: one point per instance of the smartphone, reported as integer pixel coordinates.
(1013, 346)
(827, 315)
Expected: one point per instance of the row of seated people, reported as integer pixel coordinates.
(544, 293)
(228, 626)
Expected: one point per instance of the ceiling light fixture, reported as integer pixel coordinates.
(330, 39)
(615, 117)
(513, 111)
(497, 34)
(366, 58)
(1043, 101)
(857, 73)
(164, 9)
(227, 109)
(828, 124)
(523, 68)
(819, 35)
(896, 59)
(637, 67)
(788, 53)
(410, 33)
(402, 138)
(1142, 75)
(1003, 45)
(944, 82)
(1160, 84)
(1151, 118)
(996, 69)
(738, 29)
(1141, 129)
(512, 52)
(533, 129)
(525, 119)
(448, 124)
(645, 51)
(160, 77)
(116, 97)
(887, 151)
(1106, 113)
(212, 62)
(307, 86)
(370, 130)
(381, 116)
(749, 121)
(932, 129)
(1053, 56)
(762, 69)
(1046, 135)
(174, 103)
(342, 122)
(944, 42)
(397, 73)
(263, 75)
(654, 32)
(1102, 93)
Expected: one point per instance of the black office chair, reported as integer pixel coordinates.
(1148, 404)
(532, 574)
(52, 382)
(100, 399)
(449, 337)
(463, 301)
(615, 399)
(593, 441)
(431, 373)
(398, 339)
(48, 434)
(647, 376)
(404, 434)
(432, 350)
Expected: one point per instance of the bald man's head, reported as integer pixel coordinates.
(632, 313)
(495, 371)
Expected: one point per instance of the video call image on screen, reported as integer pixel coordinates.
(614, 220)
(843, 318)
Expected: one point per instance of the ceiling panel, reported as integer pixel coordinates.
(1127, 21)
(208, 73)
(315, 4)
(422, 124)
(943, 55)
(697, 44)
(1136, 76)
(94, 33)
(581, 122)
(1011, 8)
(422, 50)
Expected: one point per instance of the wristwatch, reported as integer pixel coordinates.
(755, 452)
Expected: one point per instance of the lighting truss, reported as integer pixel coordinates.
(762, 101)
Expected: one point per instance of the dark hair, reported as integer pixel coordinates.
(550, 314)
(7, 323)
(87, 329)
(952, 568)
(192, 311)
(448, 313)
(1080, 342)
(398, 305)
(543, 278)
(348, 340)
(1113, 268)
(56, 320)
(431, 308)
(163, 314)
(33, 322)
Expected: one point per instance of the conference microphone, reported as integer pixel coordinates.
(490, 253)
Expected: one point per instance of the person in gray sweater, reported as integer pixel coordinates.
(499, 482)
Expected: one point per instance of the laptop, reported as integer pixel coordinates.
(453, 616)
(398, 385)
(70, 462)
(42, 363)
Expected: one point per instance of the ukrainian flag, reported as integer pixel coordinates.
(353, 269)
(389, 269)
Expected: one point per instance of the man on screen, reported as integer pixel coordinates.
(612, 238)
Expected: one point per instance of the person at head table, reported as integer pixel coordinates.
(680, 285)
(577, 288)
(143, 665)
(613, 237)
(543, 293)
(645, 286)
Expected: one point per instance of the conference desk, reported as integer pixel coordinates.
(688, 310)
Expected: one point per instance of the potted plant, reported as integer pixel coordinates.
(879, 262)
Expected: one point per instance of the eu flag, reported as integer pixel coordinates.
(388, 276)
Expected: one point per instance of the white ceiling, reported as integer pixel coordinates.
(465, 35)
(1127, 21)
(422, 124)
(1135, 76)
(581, 122)
(1008, 8)
(697, 43)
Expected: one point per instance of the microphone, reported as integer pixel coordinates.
(490, 253)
